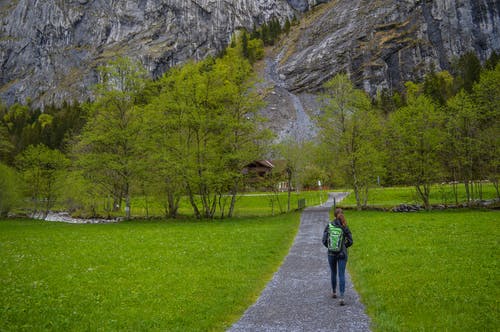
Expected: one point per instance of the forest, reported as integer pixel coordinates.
(189, 134)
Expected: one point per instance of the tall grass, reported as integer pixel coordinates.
(428, 271)
(136, 276)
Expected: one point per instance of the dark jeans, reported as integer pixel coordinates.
(334, 261)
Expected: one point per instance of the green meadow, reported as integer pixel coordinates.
(248, 204)
(427, 271)
(136, 276)
(440, 194)
(420, 271)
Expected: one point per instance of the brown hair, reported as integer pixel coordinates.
(339, 214)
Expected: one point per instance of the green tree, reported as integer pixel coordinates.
(165, 140)
(42, 169)
(298, 157)
(10, 195)
(350, 132)
(255, 50)
(203, 128)
(6, 145)
(242, 137)
(287, 26)
(486, 97)
(291, 151)
(416, 141)
(463, 148)
(107, 151)
(467, 70)
(18, 120)
(438, 86)
(244, 44)
(492, 61)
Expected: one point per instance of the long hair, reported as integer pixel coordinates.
(339, 214)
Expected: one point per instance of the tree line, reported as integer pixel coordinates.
(443, 129)
(191, 132)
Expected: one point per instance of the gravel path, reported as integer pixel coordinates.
(298, 296)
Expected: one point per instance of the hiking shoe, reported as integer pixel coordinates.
(342, 302)
(334, 295)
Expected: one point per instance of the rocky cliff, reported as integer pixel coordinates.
(49, 50)
(383, 43)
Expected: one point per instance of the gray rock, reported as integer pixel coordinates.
(407, 208)
(49, 50)
(382, 44)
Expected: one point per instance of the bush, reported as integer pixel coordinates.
(9, 189)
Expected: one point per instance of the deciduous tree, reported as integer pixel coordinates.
(42, 169)
(350, 132)
(416, 143)
(107, 151)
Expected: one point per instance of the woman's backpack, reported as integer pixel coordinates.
(335, 238)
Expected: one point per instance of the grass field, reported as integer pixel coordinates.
(428, 271)
(421, 271)
(440, 194)
(247, 204)
(136, 276)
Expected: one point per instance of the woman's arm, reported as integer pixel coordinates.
(325, 236)
(348, 237)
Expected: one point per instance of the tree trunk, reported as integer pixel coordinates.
(193, 203)
(424, 194)
(365, 198)
(467, 192)
(495, 184)
(234, 192)
(173, 204)
(289, 173)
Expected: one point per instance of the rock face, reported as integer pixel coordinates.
(381, 44)
(49, 50)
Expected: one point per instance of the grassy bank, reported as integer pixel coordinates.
(136, 276)
(429, 271)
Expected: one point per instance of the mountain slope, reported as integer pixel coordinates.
(49, 50)
(384, 43)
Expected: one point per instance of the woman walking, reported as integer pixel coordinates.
(337, 252)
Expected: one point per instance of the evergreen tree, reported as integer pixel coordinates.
(287, 26)
(492, 61)
(467, 70)
(244, 45)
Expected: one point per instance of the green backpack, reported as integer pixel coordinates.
(335, 238)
